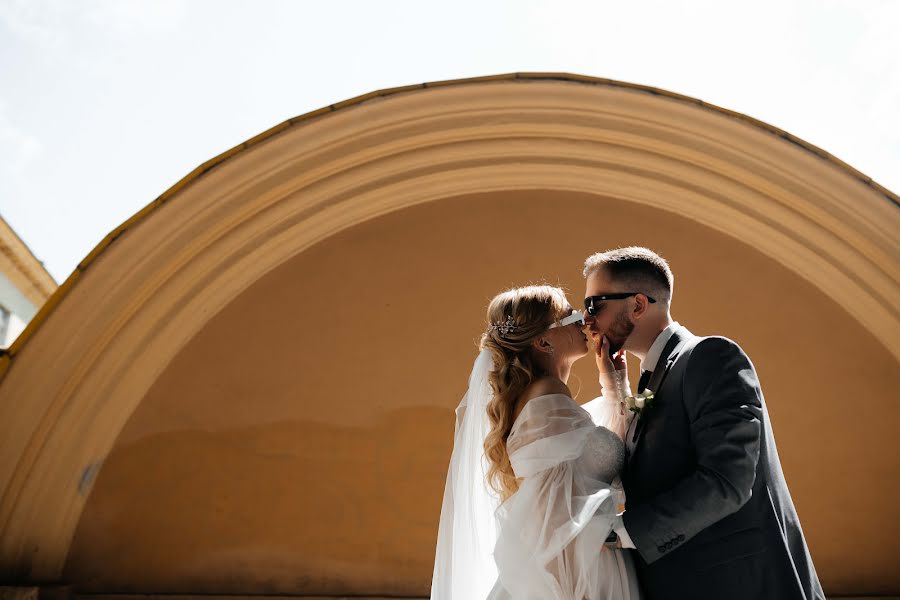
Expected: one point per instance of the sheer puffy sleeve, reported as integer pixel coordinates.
(609, 409)
(551, 531)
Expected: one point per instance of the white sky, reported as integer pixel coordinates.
(104, 104)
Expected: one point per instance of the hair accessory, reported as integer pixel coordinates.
(504, 328)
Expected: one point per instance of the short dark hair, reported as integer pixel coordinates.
(640, 267)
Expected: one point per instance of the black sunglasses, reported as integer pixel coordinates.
(591, 300)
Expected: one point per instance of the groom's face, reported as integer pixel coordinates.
(612, 316)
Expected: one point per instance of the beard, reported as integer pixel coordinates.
(618, 332)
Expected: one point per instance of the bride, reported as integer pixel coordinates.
(532, 490)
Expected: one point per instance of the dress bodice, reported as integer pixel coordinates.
(604, 454)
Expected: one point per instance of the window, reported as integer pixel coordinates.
(4, 326)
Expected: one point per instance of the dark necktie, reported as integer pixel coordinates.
(644, 380)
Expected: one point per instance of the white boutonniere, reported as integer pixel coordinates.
(637, 404)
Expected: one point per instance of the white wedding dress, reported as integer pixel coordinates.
(546, 542)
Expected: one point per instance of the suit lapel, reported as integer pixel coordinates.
(663, 365)
(667, 357)
(630, 434)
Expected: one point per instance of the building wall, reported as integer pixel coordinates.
(15, 311)
(248, 386)
(24, 285)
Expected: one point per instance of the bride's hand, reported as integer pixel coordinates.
(607, 363)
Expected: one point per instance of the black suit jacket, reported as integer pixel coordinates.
(706, 501)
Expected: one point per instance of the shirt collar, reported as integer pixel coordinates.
(656, 349)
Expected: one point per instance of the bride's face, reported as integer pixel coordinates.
(569, 341)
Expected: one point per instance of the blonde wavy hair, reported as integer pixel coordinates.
(532, 310)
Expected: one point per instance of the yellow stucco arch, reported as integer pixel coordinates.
(72, 380)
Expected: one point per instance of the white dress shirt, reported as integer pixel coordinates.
(658, 346)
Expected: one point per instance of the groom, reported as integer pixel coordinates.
(708, 509)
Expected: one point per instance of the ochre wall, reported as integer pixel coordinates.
(299, 443)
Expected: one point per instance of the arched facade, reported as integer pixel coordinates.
(430, 198)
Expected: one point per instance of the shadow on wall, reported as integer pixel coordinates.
(288, 483)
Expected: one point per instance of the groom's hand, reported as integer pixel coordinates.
(612, 540)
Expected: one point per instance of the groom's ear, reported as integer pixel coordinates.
(641, 306)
